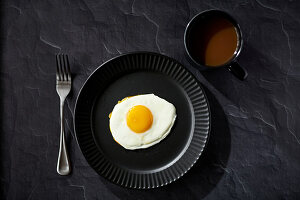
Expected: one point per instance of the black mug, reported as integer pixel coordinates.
(196, 24)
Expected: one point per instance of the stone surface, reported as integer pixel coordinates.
(254, 151)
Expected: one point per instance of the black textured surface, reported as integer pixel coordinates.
(129, 75)
(254, 149)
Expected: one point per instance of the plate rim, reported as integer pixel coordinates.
(198, 83)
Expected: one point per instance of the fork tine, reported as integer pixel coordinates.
(65, 67)
(57, 69)
(68, 68)
(62, 67)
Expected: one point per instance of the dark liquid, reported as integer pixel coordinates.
(213, 42)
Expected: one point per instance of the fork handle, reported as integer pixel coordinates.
(63, 162)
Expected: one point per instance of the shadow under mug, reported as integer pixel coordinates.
(194, 25)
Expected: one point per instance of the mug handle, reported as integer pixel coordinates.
(238, 71)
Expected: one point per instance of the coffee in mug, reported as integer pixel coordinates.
(213, 39)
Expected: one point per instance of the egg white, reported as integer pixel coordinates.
(164, 115)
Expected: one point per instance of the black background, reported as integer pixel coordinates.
(254, 150)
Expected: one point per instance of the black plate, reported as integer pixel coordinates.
(133, 74)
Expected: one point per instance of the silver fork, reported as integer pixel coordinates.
(63, 87)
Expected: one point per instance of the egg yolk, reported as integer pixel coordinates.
(139, 119)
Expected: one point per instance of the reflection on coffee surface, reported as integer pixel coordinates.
(213, 41)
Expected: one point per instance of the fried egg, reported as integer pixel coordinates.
(141, 121)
